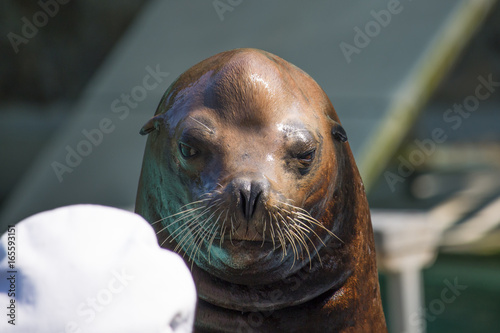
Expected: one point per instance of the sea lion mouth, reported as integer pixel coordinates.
(242, 242)
(208, 229)
(263, 247)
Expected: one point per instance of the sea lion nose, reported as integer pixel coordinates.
(251, 193)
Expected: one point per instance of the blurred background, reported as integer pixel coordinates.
(416, 84)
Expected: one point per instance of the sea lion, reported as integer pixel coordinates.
(248, 174)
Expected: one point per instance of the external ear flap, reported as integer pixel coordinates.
(150, 126)
(338, 132)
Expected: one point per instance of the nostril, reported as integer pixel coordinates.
(249, 203)
(249, 193)
(253, 204)
(244, 203)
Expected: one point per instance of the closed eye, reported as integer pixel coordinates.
(305, 161)
(306, 157)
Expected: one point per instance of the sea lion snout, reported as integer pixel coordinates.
(249, 194)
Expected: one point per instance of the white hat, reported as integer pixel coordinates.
(89, 268)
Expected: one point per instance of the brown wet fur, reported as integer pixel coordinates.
(238, 104)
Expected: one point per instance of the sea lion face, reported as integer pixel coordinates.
(245, 154)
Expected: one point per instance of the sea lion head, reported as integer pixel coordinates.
(244, 168)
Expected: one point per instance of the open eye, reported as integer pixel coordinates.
(187, 151)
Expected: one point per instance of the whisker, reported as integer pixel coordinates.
(264, 232)
(190, 221)
(223, 229)
(187, 214)
(281, 238)
(232, 231)
(213, 236)
(305, 229)
(201, 233)
(272, 231)
(312, 220)
(300, 212)
(194, 233)
(294, 247)
(196, 242)
(181, 210)
(300, 238)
